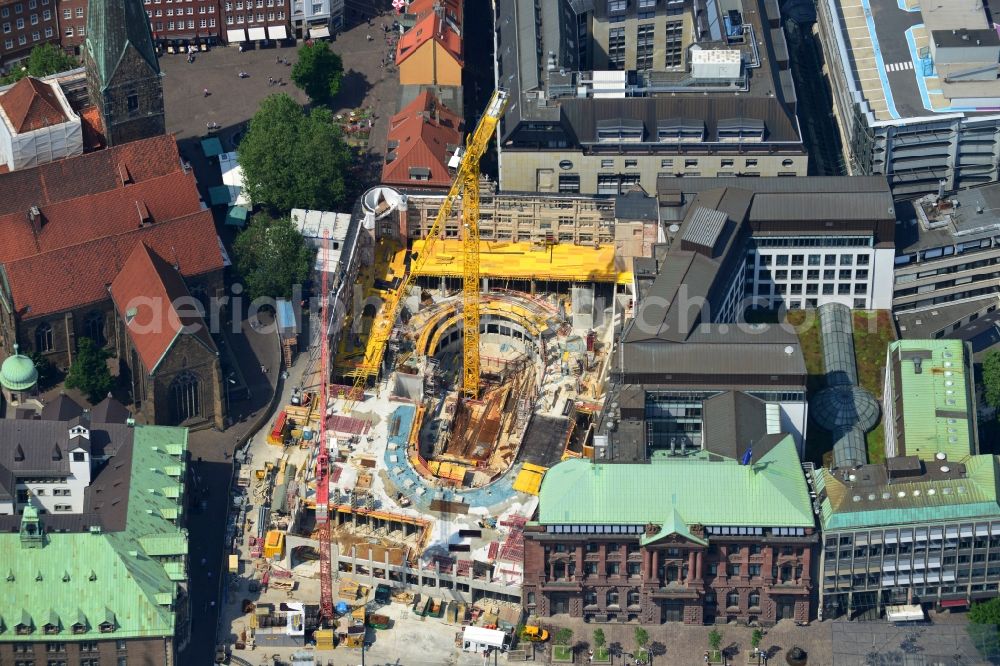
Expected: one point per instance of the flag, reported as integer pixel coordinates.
(747, 456)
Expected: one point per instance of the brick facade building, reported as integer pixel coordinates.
(690, 540)
(25, 24)
(105, 204)
(73, 25)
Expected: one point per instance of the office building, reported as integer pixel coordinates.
(93, 541)
(923, 527)
(608, 94)
(947, 266)
(697, 539)
(915, 92)
(25, 24)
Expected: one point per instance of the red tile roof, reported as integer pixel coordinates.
(88, 174)
(452, 9)
(147, 293)
(430, 27)
(32, 104)
(107, 213)
(79, 275)
(420, 136)
(93, 128)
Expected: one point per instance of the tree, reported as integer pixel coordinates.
(641, 637)
(714, 639)
(991, 379)
(599, 639)
(272, 257)
(44, 60)
(987, 612)
(563, 636)
(48, 374)
(89, 372)
(291, 159)
(318, 71)
(755, 638)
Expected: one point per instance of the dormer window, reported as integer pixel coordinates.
(620, 130)
(79, 431)
(107, 627)
(79, 456)
(50, 628)
(23, 629)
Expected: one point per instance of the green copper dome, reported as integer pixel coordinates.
(18, 372)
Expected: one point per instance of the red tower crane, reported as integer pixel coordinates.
(323, 455)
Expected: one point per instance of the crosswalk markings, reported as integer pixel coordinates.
(899, 66)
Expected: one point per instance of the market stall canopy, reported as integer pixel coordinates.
(277, 32)
(256, 33)
(239, 35)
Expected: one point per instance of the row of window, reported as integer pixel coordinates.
(180, 11)
(19, 7)
(250, 18)
(811, 289)
(22, 39)
(783, 275)
(202, 23)
(796, 304)
(33, 20)
(813, 259)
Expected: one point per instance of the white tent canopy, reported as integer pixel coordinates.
(236, 35)
(256, 33)
(277, 32)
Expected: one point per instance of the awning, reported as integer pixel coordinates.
(211, 146)
(954, 603)
(237, 217)
(319, 32)
(219, 195)
(277, 32)
(256, 33)
(904, 613)
(236, 35)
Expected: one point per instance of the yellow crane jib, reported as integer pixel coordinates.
(466, 186)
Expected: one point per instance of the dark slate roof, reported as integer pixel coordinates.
(636, 206)
(61, 408)
(735, 421)
(112, 27)
(109, 410)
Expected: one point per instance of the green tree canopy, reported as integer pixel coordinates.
(987, 612)
(89, 372)
(563, 636)
(44, 60)
(714, 639)
(272, 256)
(641, 637)
(599, 639)
(991, 378)
(318, 71)
(292, 159)
(48, 375)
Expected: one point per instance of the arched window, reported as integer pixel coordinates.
(185, 394)
(93, 327)
(633, 597)
(754, 600)
(733, 599)
(612, 597)
(43, 337)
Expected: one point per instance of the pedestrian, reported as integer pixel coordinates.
(277, 60)
(270, 81)
(205, 92)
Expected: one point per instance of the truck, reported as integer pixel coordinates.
(480, 639)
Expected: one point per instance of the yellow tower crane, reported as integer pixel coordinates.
(466, 186)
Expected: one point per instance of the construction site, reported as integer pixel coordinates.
(395, 481)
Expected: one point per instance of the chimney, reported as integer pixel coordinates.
(35, 219)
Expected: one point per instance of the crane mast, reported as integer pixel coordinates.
(466, 186)
(323, 455)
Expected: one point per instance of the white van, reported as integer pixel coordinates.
(478, 639)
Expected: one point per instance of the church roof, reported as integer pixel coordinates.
(61, 408)
(118, 167)
(74, 279)
(147, 293)
(109, 410)
(32, 104)
(113, 26)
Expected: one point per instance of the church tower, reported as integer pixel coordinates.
(123, 74)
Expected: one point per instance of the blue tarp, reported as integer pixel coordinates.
(286, 318)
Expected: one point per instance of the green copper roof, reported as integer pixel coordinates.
(18, 372)
(770, 492)
(93, 578)
(845, 505)
(112, 27)
(674, 524)
(934, 399)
